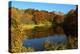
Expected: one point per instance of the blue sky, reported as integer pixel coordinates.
(43, 6)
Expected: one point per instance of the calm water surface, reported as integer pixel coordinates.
(37, 42)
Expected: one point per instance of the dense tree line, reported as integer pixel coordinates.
(70, 23)
(35, 16)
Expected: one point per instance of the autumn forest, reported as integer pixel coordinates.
(41, 30)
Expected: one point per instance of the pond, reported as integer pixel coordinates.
(37, 42)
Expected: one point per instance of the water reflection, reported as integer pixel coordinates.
(37, 42)
(41, 38)
(39, 32)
